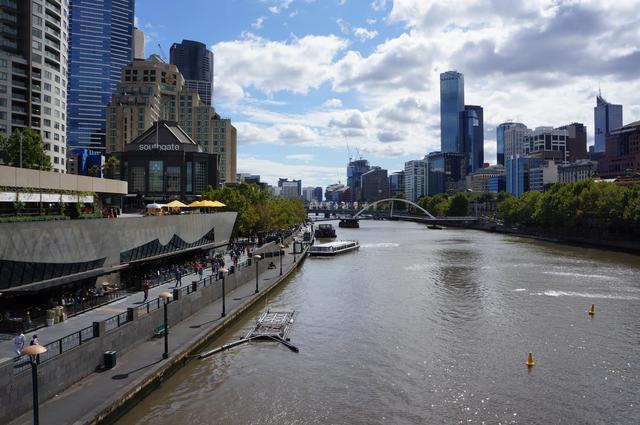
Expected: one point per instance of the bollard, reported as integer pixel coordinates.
(592, 310)
(530, 362)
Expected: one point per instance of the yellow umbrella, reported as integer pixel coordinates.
(218, 204)
(196, 204)
(176, 204)
(207, 204)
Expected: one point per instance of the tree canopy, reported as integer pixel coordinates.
(33, 154)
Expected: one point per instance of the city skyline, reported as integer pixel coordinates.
(370, 78)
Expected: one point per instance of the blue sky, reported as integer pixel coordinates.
(309, 83)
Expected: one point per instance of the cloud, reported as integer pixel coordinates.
(379, 5)
(333, 103)
(354, 119)
(271, 171)
(280, 6)
(259, 23)
(364, 34)
(391, 136)
(304, 157)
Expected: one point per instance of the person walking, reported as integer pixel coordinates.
(34, 340)
(145, 289)
(18, 341)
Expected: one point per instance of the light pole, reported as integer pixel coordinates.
(294, 251)
(20, 137)
(34, 351)
(280, 255)
(222, 272)
(165, 296)
(257, 258)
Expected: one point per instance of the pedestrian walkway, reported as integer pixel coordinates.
(83, 320)
(84, 401)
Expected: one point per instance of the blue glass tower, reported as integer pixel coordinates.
(451, 105)
(100, 44)
(606, 117)
(472, 132)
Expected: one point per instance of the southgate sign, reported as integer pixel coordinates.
(158, 147)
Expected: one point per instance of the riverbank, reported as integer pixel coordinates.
(104, 395)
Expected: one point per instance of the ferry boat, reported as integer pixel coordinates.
(325, 230)
(331, 249)
(349, 222)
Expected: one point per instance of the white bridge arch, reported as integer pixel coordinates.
(391, 200)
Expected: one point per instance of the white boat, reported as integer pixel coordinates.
(333, 248)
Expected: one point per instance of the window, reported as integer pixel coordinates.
(37, 7)
(155, 176)
(47, 75)
(3, 77)
(200, 177)
(137, 178)
(47, 87)
(36, 45)
(36, 20)
(173, 179)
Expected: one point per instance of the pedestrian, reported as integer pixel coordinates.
(200, 271)
(34, 340)
(179, 277)
(145, 288)
(19, 343)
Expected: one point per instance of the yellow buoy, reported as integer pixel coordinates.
(592, 310)
(530, 361)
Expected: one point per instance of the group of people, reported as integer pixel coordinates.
(19, 342)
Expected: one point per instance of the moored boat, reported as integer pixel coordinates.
(325, 230)
(331, 249)
(351, 223)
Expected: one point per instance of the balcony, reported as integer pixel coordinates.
(52, 31)
(55, 7)
(51, 43)
(8, 32)
(9, 4)
(12, 19)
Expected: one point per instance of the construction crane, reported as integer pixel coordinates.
(162, 55)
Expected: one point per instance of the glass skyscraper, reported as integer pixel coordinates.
(473, 137)
(195, 63)
(100, 45)
(606, 117)
(451, 105)
(500, 139)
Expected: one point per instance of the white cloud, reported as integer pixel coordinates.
(304, 157)
(379, 5)
(333, 103)
(280, 6)
(271, 171)
(259, 23)
(364, 34)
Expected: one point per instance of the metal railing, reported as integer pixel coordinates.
(116, 321)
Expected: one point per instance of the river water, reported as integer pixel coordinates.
(430, 327)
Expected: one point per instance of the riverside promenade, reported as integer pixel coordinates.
(102, 395)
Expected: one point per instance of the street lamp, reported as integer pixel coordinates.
(257, 258)
(280, 255)
(34, 351)
(165, 296)
(222, 272)
(294, 250)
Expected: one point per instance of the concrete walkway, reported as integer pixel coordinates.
(84, 320)
(97, 393)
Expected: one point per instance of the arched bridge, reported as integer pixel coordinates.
(392, 200)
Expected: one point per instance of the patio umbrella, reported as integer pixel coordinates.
(218, 204)
(154, 206)
(196, 204)
(176, 204)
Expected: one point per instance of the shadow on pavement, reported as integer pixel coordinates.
(126, 374)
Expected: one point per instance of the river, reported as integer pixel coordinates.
(430, 327)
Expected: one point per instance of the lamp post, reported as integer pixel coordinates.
(294, 251)
(222, 272)
(280, 255)
(20, 137)
(34, 351)
(165, 296)
(257, 258)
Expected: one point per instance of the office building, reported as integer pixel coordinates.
(195, 63)
(478, 181)
(94, 65)
(576, 141)
(500, 140)
(307, 193)
(33, 72)
(445, 172)
(547, 143)
(337, 193)
(517, 173)
(396, 184)
(415, 179)
(622, 153)
(355, 170)
(606, 117)
(514, 140)
(581, 169)
(496, 184)
(317, 194)
(290, 189)
(472, 132)
(375, 185)
(542, 176)
(151, 90)
(451, 105)
(138, 44)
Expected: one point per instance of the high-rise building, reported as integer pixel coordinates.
(195, 63)
(500, 139)
(542, 176)
(451, 105)
(547, 143)
(396, 184)
(317, 194)
(415, 179)
(582, 169)
(355, 170)
(514, 140)
(472, 132)
(478, 181)
(375, 185)
(517, 169)
(445, 172)
(576, 141)
(606, 117)
(152, 90)
(100, 44)
(290, 189)
(622, 153)
(138, 43)
(33, 72)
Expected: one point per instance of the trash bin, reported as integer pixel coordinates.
(109, 359)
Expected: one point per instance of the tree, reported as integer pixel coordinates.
(110, 165)
(458, 206)
(33, 154)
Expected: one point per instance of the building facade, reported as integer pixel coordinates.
(195, 63)
(451, 105)
(375, 185)
(582, 169)
(514, 140)
(606, 117)
(500, 139)
(542, 176)
(396, 184)
(138, 44)
(290, 189)
(355, 170)
(445, 172)
(576, 141)
(622, 153)
(517, 173)
(33, 72)
(472, 132)
(151, 90)
(478, 181)
(415, 179)
(95, 64)
(547, 143)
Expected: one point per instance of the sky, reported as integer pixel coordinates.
(312, 83)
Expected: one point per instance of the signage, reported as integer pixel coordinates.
(158, 147)
(7, 196)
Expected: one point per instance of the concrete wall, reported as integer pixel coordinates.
(71, 366)
(36, 179)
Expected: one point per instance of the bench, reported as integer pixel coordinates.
(159, 331)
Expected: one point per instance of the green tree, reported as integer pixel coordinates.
(110, 166)
(458, 206)
(33, 155)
